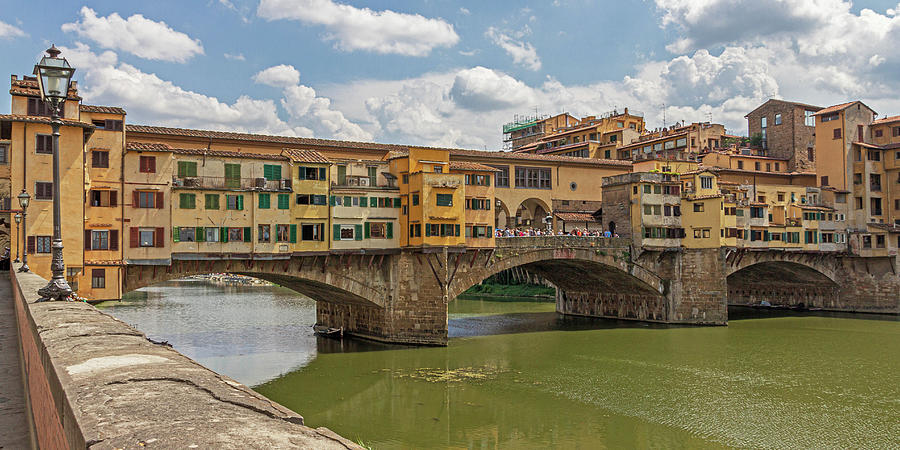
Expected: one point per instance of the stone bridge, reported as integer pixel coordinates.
(402, 295)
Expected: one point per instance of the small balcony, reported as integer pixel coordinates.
(245, 184)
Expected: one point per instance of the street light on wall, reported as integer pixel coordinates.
(18, 218)
(54, 75)
(24, 199)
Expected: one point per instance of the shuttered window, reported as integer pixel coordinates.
(148, 164)
(212, 201)
(234, 202)
(444, 200)
(284, 201)
(187, 201)
(100, 159)
(43, 190)
(271, 172)
(187, 169)
(232, 176)
(43, 143)
(264, 201)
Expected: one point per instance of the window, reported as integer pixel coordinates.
(657, 189)
(857, 178)
(264, 201)
(232, 176)
(187, 201)
(876, 206)
(103, 198)
(438, 169)
(757, 166)
(263, 233)
(282, 233)
(37, 107)
(377, 230)
(837, 133)
(415, 199)
(830, 117)
(212, 234)
(777, 119)
(147, 199)
(781, 196)
(879, 132)
(284, 201)
(740, 164)
(777, 168)
(706, 182)
(342, 175)
(477, 180)
(768, 167)
(234, 202)
(146, 237)
(43, 143)
(757, 212)
(309, 173)
(187, 234)
(533, 177)
(272, 172)
(825, 182)
(859, 202)
(648, 189)
(108, 124)
(312, 232)
(867, 241)
(698, 207)
(896, 131)
(879, 241)
(236, 234)
(346, 232)
(444, 200)
(405, 178)
(43, 190)
(874, 155)
(442, 229)
(38, 244)
(810, 153)
(212, 201)
(762, 122)
(187, 169)
(809, 119)
(99, 240)
(100, 159)
(682, 142)
(701, 233)
(147, 164)
(311, 199)
(98, 278)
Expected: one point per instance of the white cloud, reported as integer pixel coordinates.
(281, 75)
(483, 89)
(235, 56)
(385, 32)
(137, 35)
(464, 11)
(8, 31)
(522, 53)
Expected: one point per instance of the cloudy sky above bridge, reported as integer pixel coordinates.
(450, 73)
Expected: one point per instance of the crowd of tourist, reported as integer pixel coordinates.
(526, 232)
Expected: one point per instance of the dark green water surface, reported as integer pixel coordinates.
(517, 375)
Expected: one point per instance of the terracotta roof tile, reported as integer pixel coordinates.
(834, 108)
(465, 165)
(148, 146)
(704, 197)
(533, 157)
(102, 109)
(29, 86)
(301, 155)
(227, 154)
(42, 119)
(887, 120)
(575, 217)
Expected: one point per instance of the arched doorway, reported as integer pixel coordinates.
(531, 213)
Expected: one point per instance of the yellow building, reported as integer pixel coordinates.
(365, 206)
(675, 142)
(702, 210)
(310, 180)
(479, 203)
(592, 137)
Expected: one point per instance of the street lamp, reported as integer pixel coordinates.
(18, 218)
(24, 199)
(54, 75)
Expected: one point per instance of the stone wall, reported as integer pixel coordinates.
(93, 381)
(791, 139)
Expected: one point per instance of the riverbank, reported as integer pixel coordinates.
(512, 290)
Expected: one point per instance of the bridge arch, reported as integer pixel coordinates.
(532, 211)
(502, 215)
(781, 279)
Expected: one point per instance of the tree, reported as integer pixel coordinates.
(756, 141)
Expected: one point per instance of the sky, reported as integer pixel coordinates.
(451, 73)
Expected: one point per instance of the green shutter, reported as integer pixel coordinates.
(176, 234)
(284, 201)
(301, 173)
(348, 201)
(397, 202)
(373, 201)
(240, 202)
(331, 201)
(390, 230)
(264, 201)
(223, 234)
(456, 232)
(367, 229)
(232, 176)
(487, 180)
(363, 201)
(199, 234)
(357, 232)
(293, 233)
(212, 201)
(427, 230)
(322, 173)
(246, 234)
(336, 232)
(187, 169)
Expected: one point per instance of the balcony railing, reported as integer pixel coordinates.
(253, 184)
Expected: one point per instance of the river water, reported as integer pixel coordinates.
(517, 375)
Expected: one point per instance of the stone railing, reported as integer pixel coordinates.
(93, 381)
(560, 242)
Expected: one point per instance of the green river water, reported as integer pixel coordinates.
(517, 375)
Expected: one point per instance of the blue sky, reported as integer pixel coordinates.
(451, 73)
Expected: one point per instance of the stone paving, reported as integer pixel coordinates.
(13, 423)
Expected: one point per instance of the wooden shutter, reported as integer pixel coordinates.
(390, 230)
(135, 199)
(293, 233)
(135, 237)
(109, 124)
(246, 234)
(373, 202)
(87, 239)
(200, 234)
(397, 202)
(335, 235)
(29, 246)
(240, 202)
(367, 229)
(348, 201)
(113, 198)
(176, 234)
(357, 232)
(456, 230)
(151, 164)
(159, 199)
(113, 239)
(223, 234)
(332, 201)
(32, 107)
(159, 237)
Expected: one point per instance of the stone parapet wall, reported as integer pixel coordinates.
(93, 381)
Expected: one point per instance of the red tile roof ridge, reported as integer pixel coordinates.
(102, 109)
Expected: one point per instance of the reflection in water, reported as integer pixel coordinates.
(773, 379)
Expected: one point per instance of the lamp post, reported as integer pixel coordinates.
(18, 218)
(24, 199)
(54, 75)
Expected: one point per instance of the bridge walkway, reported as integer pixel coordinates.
(13, 422)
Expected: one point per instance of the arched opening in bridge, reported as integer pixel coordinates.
(780, 283)
(531, 213)
(612, 228)
(502, 217)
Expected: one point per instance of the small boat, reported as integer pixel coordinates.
(322, 330)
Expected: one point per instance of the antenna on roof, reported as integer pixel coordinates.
(664, 114)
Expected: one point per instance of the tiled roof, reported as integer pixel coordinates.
(29, 87)
(677, 133)
(834, 108)
(258, 137)
(148, 146)
(103, 262)
(227, 154)
(464, 165)
(102, 109)
(887, 120)
(802, 105)
(533, 157)
(300, 155)
(703, 197)
(575, 217)
(816, 208)
(42, 119)
(886, 226)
